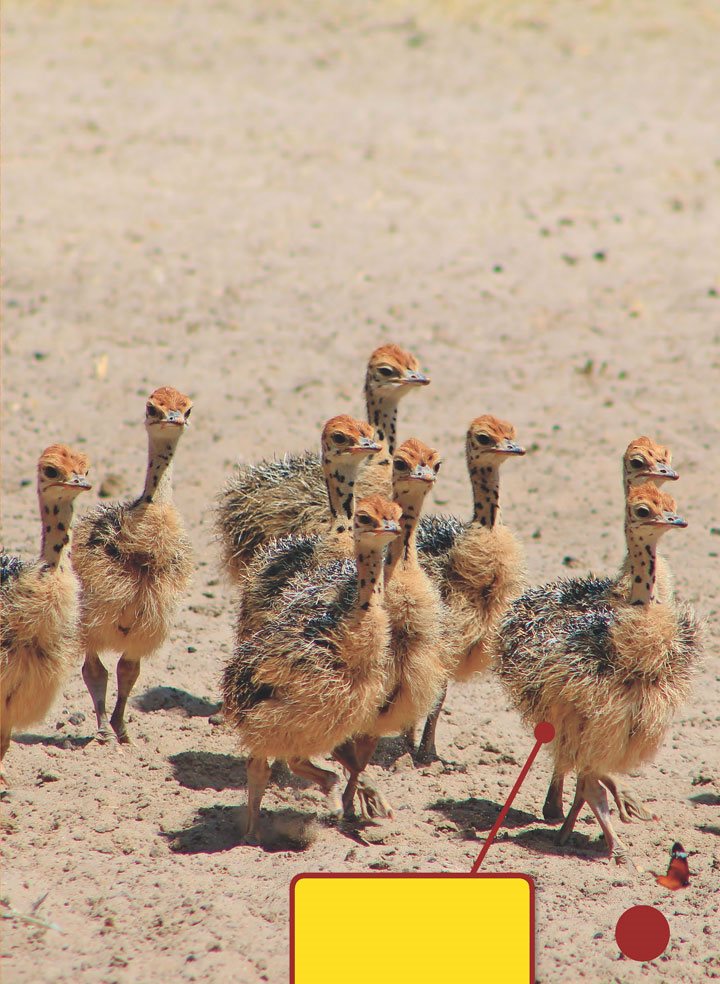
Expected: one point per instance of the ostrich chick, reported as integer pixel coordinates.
(610, 677)
(345, 444)
(478, 566)
(134, 563)
(643, 461)
(316, 672)
(420, 654)
(39, 600)
(272, 499)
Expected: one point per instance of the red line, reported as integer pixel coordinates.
(503, 813)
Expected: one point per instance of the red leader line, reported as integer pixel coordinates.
(544, 732)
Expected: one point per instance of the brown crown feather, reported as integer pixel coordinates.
(656, 452)
(393, 355)
(349, 426)
(496, 428)
(168, 398)
(64, 458)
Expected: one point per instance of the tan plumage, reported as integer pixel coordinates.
(345, 444)
(134, 563)
(315, 672)
(608, 672)
(643, 461)
(272, 499)
(479, 566)
(39, 641)
(420, 661)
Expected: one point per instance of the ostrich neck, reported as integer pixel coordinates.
(404, 548)
(158, 478)
(370, 580)
(57, 532)
(485, 480)
(382, 415)
(340, 479)
(642, 557)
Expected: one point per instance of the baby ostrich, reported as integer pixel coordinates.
(609, 677)
(39, 600)
(346, 443)
(316, 673)
(134, 563)
(478, 566)
(420, 654)
(274, 498)
(644, 461)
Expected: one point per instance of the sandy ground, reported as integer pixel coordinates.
(242, 200)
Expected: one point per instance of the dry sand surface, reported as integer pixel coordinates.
(242, 200)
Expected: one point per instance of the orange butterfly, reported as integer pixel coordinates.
(678, 873)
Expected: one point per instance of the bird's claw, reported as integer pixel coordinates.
(373, 804)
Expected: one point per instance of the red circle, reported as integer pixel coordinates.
(642, 932)
(544, 732)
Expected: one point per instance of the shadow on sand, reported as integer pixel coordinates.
(475, 814)
(214, 770)
(172, 699)
(220, 828)
(55, 741)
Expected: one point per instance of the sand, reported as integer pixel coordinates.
(242, 201)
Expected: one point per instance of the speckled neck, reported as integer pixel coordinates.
(340, 477)
(382, 415)
(642, 561)
(485, 481)
(57, 519)
(370, 576)
(404, 548)
(158, 478)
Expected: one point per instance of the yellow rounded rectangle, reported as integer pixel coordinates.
(393, 928)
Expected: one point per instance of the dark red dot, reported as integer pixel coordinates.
(544, 732)
(642, 932)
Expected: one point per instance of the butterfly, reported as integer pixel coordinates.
(678, 873)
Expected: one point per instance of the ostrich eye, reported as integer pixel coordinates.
(152, 411)
(386, 371)
(399, 464)
(484, 439)
(51, 472)
(188, 412)
(642, 511)
(436, 467)
(339, 438)
(637, 463)
(365, 520)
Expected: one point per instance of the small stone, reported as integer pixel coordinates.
(191, 649)
(77, 718)
(569, 561)
(404, 763)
